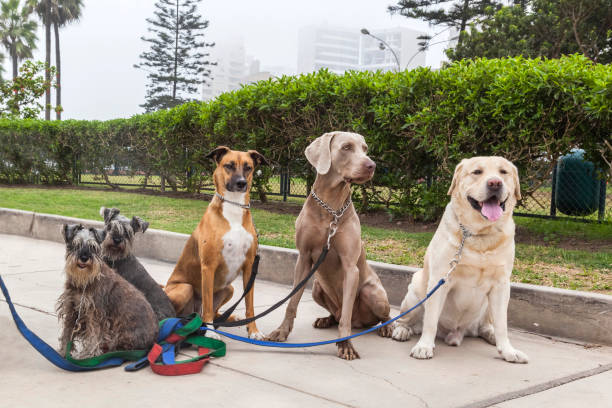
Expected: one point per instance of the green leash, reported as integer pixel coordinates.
(129, 355)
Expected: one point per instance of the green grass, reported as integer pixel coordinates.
(537, 264)
(553, 230)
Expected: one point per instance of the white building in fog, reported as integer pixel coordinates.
(230, 57)
(235, 68)
(339, 49)
(328, 47)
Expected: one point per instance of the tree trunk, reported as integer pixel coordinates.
(58, 67)
(14, 58)
(464, 20)
(175, 53)
(48, 58)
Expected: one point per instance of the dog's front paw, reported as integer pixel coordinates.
(346, 350)
(211, 334)
(278, 335)
(513, 355)
(386, 331)
(324, 322)
(422, 351)
(257, 336)
(401, 333)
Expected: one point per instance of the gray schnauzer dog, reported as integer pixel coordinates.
(117, 253)
(99, 310)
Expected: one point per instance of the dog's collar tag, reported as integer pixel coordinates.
(223, 199)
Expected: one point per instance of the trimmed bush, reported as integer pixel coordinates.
(419, 124)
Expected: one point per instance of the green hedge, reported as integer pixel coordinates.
(418, 125)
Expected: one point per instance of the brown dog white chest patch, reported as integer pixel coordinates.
(236, 241)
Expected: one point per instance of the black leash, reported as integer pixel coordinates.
(217, 322)
(221, 321)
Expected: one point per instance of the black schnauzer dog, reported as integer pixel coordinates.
(117, 253)
(99, 310)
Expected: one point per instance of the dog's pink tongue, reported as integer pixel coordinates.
(491, 209)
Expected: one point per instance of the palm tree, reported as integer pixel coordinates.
(57, 13)
(17, 31)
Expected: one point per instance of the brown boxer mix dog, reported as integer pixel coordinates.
(344, 284)
(223, 244)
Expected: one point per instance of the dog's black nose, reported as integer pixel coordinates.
(241, 184)
(117, 240)
(494, 184)
(84, 258)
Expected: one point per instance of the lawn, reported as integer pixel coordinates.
(541, 262)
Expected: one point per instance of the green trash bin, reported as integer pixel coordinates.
(577, 187)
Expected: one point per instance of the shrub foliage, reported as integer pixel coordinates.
(419, 124)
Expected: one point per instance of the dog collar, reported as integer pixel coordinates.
(337, 214)
(223, 199)
(465, 234)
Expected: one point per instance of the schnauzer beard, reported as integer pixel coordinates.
(81, 277)
(115, 253)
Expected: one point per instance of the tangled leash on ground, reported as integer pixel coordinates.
(175, 332)
(172, 334)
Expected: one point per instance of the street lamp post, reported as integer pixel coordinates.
(382, 45)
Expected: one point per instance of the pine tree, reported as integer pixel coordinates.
(176, 62)
(451, 13)
(542, 28)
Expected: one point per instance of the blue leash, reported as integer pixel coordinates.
(170, 325)
(265, 343)
(46, 350)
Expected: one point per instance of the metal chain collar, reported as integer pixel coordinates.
(465, 234)
(337, 214)
(223, 199)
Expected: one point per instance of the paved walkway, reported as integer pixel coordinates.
(559, 374)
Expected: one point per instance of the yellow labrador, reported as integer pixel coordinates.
(474, 301)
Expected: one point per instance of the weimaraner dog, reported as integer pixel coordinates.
(344, 284)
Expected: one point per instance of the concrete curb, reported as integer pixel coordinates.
(580, 316)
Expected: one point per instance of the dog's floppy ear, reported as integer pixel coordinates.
(70, 230)
(456, 177)
(517, 183)
(318, 153)
(99, 234)
(108, 213)
(138, 224)
(218, 153)
(258, 158)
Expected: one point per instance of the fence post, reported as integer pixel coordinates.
(602, 200)
(284, 183)
(553, 190)
(76, 173)
(287, 185)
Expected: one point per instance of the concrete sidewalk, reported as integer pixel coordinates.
(559, 374)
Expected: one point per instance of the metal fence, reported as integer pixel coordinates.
(569, 194)
(566, 194)
(281, 185)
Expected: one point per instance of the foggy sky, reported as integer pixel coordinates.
(98, 52)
